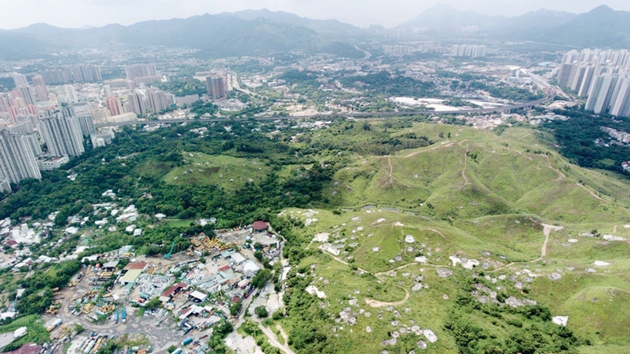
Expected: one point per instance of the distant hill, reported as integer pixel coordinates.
(16, 46)
(601, 27)
(531, 23)
(332, 26)
(444, 17)
(213, 35)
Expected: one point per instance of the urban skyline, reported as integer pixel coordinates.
(600, 75)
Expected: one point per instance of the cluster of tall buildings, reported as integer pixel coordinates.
(17, 159)
(470, 51)
(42, 127)
(142, 74)
(398, 50)
(29, 119)
(217, 86)
(62, 132)
(601, 75)
(72, 74)
(62, 129)
(140, 102)
(22, 100)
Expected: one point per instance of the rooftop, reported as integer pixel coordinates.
(131, 276)
(260, 225)
(30, 348)
(137, 265)
(170, 291)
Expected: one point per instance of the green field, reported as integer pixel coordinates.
(225, 171)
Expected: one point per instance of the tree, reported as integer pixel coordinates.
(153, 303)
(235, 308)
(259, 255)
(261, 311)
(261, 278)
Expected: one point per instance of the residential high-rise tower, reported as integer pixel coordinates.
(62, 135)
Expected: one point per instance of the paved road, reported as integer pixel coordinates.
(550, 94)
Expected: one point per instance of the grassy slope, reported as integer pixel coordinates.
(502, 178)
(511, 185)
(225, 171)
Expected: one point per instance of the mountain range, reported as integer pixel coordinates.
(444, 17)
(265, 32)
(213, 35)
(601, 27)
(330, 27)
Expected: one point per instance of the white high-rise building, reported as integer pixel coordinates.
(621, 104)
(70, 94)
(605, 94)
(136, 104)
(20, 80)
(23, 127)
(28, 94)
(586, 83)
(17, 161)
(62, 135)
(159, 100)
(86, 122)
(593, 93)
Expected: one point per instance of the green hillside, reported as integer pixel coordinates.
(511, 203)
(224, 171)
(477, 173)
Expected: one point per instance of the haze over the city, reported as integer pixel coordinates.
(83, 13)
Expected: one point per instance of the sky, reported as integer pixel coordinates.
(389, 13)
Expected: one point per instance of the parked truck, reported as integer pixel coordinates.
(54, 325)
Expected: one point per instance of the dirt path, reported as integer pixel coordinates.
(547, 230)
(561, 175)
(346, 263)
(520, 153)
(432, 230)
(431, 149)
(465, 166)
(372, 302)
(377, 304)
(273, 339)
(592, 193)
(282, 333)
(391, 179)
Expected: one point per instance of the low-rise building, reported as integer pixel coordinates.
(49, 163)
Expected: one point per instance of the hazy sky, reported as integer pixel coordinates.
(80, 13)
